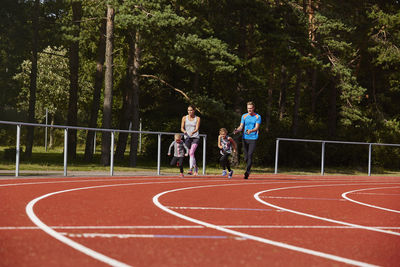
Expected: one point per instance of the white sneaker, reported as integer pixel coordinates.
(230, 174)
(224, 173)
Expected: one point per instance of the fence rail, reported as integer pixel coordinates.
(323, 142)
(112, 131)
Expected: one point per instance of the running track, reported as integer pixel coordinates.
(268, 220)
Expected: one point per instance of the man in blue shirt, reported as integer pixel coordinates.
(250, 122)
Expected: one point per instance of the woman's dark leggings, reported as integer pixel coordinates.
(224, 161)
(248, 148)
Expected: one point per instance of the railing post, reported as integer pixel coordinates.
(17, 149)
(204, 154)
(322, 158)
(159, 155)
(276, 156)
(140, 135)
(65, 150)
(369, 159)
(94, 143)
(45, 130)
(112, 154)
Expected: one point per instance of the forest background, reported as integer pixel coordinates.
(315, 69)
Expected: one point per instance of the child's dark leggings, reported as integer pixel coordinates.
(224, 161)
(177, 161)
(248, 147)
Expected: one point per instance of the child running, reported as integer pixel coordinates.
(226, 143)
(180, 151)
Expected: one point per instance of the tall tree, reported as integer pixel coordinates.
(72, 118)
(33, 77)
(98, 85)
(134, 74)
(130, 107)
(52, 83)
(108, 87)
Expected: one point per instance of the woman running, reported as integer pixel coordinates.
(190, 127)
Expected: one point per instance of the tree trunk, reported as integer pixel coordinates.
(33, 79)
(108, 87)
(269, 99)
(332, 111)
(51, 140)
(282, 96)
(242, 55)
(295, 123)
(196, 81)
(126, 117)
(126, 112)
(135, 109)
(72, 118)
(313, 91)
(312, 5)
(98, 84)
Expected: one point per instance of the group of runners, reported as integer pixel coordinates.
(190, 124)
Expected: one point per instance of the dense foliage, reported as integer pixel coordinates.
(315, 69)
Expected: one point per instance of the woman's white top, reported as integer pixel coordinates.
(190, 126)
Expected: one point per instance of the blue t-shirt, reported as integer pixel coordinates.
(249, 122)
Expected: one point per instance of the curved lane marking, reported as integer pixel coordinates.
(257, 197)
(247, 236)
(344, 195)
(79, 247)
(92, 253)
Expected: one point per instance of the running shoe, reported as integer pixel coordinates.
(196, 171)
(190, 171)
(246, 175)
(181, 175)
(230, 174)
(224, 173)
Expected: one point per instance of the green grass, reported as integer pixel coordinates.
(53, 160)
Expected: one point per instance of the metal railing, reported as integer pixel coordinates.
(323, 142)
(112, 131)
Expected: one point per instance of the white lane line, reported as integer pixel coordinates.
(126, 236)
(104, 227)
(344, 195)
(258, 198)
(304, 198)
(377, 194)
(214, 208)
(92, 253)
(176, 227)
(247, 236)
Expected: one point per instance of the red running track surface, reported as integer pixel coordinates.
(268, 220)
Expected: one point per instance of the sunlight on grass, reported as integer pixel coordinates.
(53, 160)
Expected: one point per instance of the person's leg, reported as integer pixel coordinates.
(180, 164)
(250, 150)
(245, 149)
(173, 161)
(188, 143)
(192, 158)
(228, 164)
(223, 162)
(245, 155)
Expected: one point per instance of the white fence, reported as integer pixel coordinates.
(113, 131)
(323, 142)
